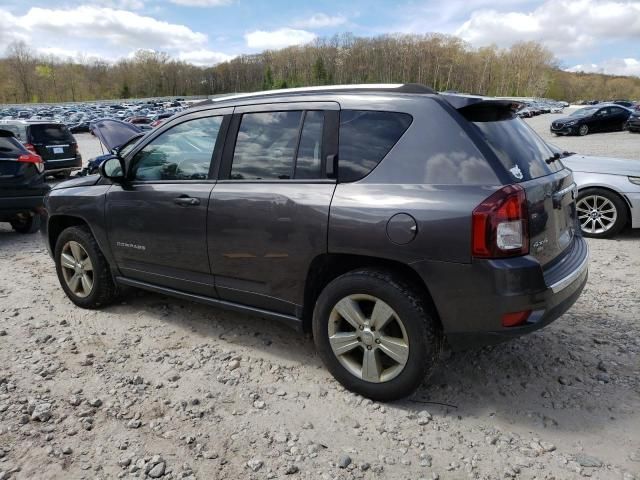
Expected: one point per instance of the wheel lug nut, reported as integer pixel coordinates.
(377, 340)
(368, 347)
(361, 327)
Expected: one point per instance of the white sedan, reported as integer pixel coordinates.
(608, 193)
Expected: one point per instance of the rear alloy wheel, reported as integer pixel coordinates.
(26, 224)
(376, 334)
(601, 214)
(583, 130)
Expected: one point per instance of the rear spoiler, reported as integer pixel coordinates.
(464, 101)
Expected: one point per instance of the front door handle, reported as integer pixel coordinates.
(186, 201)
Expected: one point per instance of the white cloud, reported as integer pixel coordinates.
(202, 3)
(120, 4)
(321, 20)
(283, 37)
(613, 66)
(204, 58)
(564, 26)
(119, 28)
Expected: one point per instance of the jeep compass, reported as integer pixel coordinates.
(382, 219)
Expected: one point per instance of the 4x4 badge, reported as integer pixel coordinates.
(516, 172)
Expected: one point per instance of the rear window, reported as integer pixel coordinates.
(365, 139)
(520, 150)
(41, 133)
(9, 146)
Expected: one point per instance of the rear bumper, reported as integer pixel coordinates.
(11, 206)
(63, 164)
(472, 298)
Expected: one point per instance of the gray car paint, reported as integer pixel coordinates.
(261, 238)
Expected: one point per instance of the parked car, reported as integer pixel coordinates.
(433, 217)
(608, 193)
(51, 141)
(601, 118)
(22, 186)
(625, 103)
(633, 124)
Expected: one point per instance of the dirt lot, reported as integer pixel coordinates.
(159, 388)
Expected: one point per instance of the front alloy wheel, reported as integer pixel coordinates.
(77, 269)
(368, 338)
(601, 213)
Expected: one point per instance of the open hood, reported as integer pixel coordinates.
(114, 133)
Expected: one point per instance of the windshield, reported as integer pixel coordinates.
(127, 147)
(584, 112)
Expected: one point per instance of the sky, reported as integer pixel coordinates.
(585, 35)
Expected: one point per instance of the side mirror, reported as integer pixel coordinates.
(113, 169)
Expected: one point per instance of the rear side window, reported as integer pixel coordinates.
(266, 146)
(520, 150)
(365, 139)
(42, 133)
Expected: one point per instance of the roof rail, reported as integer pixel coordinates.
(366, 87)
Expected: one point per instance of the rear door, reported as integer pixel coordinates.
(534, 165)
(157, 221)
(53, 142)
(269, 211)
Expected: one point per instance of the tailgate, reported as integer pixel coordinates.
(552, 214)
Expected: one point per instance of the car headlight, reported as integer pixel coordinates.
(572, 122)
(634, 180)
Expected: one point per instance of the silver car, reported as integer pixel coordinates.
(609, 193)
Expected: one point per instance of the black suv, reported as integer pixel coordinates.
(22, 186)
(52, 141)
(383, 219)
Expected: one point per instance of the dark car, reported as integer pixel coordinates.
(382, 219)
(52, 141)
(80, 127)
(22, 186)
(600, 118)
(633, 124)
(625, 103)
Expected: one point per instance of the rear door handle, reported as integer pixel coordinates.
(186, 201)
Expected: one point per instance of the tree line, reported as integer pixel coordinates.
(443, 62)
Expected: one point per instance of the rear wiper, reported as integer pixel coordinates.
(553, 158)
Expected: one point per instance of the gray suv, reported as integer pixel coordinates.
(384, 219)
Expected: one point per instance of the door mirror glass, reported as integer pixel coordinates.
(112, 169)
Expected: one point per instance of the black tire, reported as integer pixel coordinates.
(425, 338)
(622, 214)
(63, 175)
(26, 225)
(104, 290)
(583, 130)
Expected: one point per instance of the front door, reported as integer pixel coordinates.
(269, 210)
(157, 220)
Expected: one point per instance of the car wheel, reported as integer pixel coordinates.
(62, 175)
(376, 335)
(29, 224)
(602, 214)
(583, 130)
(82, 270)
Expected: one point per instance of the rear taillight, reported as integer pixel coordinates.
(500, 224)
(31, 148)
(33, 158)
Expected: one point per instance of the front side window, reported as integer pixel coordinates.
(365, 139)
(182, 153)
(266, 146)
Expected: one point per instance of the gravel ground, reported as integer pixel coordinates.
(160, 388)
